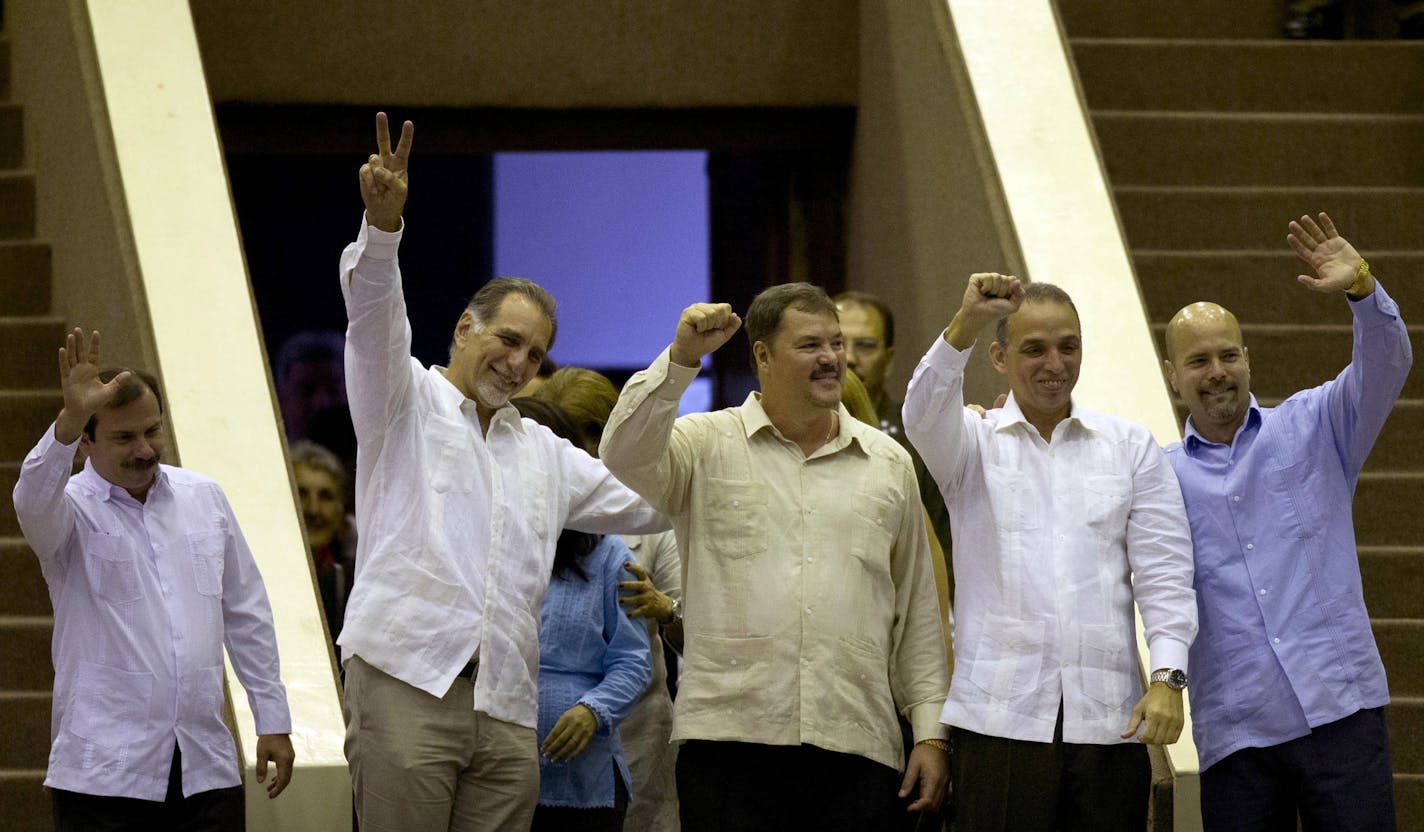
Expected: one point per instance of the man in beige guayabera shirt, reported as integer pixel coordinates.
(810, 614)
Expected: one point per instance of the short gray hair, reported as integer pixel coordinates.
(486, 302)
(314, 456)
(1034, 293)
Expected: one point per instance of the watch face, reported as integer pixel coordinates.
(1177, 679)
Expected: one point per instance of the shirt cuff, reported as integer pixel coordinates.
(946, 358)
(273, 718)
(380, 245)
(600, 715)
(924, 721)
(1167, 654)
(1376, 308)
(675, 378)
(50, 446)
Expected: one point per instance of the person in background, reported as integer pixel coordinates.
(547, 368)
(309, 378)
(321, 490)
(654, 595)
(868, 324)
(593, 669)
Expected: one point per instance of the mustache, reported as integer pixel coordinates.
(826, 372)
(140, 464)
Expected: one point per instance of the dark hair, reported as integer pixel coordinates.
(867, 299)
(309, 345)
(486, 302)
(768, 308)
(573, 546)
(130, 391)
(1034, 293)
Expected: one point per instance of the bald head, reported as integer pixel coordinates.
(1207, 365)
(1199, 318)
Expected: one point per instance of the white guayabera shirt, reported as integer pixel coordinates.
(1053, 542)
(457, 529)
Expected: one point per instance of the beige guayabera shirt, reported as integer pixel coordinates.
(810, 613)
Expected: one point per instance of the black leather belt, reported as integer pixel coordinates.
(469, 670)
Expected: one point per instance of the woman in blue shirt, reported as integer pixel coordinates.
(593, 667)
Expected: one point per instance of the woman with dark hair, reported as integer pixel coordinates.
(593, 667)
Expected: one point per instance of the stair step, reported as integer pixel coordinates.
(30, 346)
(1405, 716)
(1401, 646)
(1385, 509)
(24, 591)
(1289, 358)
(25, 278)
(1374, 76)
(9, 474)
(1206, 19)
(25, 663)
(17, 205)
(24, 723)
(1284, 149)
(24, 803)
(1259, 286)
(1374, 219)
(12, 136)
(23, 417)
(1409, 801)
(1393, 576)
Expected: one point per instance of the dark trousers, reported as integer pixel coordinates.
(1336, 778)
(1003, 785)
(570, 819)
(747, 787)
(219, 810)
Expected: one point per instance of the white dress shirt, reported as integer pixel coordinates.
(457, 529)
(810, 614)
(145, 596)
(1053, 541)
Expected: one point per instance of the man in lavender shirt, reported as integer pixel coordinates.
(150, 578)
(1287, 685)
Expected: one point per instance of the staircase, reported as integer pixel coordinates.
(1215, 132)
(29, 399)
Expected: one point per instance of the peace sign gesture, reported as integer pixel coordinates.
(384, 180)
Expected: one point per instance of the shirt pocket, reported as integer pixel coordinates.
(536, 509)
(1007, 662)
(207, 551)
(1107, 499)
(112, 568)
(876, 524)
(1010, 500)
(110, 706)
(1293, 502)
(450, 453)
(1108, 685)
(735, 523)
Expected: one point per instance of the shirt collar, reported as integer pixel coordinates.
(94, 484)
(851, 429)
(1192, 440)
(451, 396)
(1010, 414)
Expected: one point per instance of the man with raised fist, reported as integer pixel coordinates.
(810, 613)
(1062, 519)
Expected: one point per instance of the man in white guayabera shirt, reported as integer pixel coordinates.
(1062, 518)
(459, 503)
(150, 577)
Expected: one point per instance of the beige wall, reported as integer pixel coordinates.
(531, 53)
(926, 209)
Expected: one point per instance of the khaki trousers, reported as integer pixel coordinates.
(422, 764)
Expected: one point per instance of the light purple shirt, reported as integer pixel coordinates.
(145, 596)
(1285, 642)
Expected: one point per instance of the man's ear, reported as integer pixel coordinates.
(996, 357)
(761, 352)
(463, 327)
(1170, 372)
(889, 361)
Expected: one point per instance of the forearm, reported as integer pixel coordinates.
(251, 637)
(378, 338)
(637, 443)
(45, 516)
(1159, 550)
(934, 414)
(919, 661)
